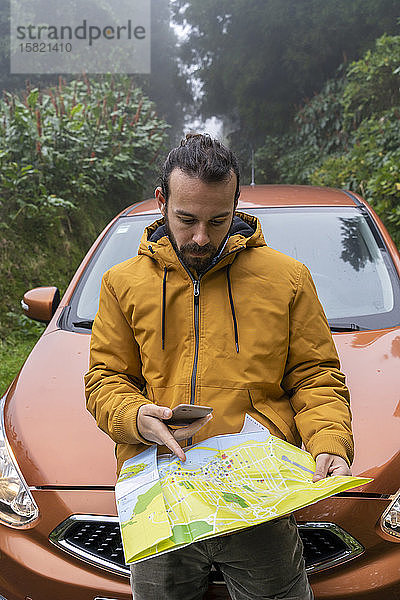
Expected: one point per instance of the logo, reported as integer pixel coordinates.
(108, 36)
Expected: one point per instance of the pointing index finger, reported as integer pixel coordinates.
(167, 439)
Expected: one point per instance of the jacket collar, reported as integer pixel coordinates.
(245, 233)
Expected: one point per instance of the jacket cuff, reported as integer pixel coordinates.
(125, 424)
(332, 444)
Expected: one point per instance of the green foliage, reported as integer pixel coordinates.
(75, 142)
(26, 327)
(320, 121)
(291, 158)
(257, 59)
(165, 85)
(371, 167)
(40, 251)
(373, 82)
(70, 158)
(348, 136)
(371, 119)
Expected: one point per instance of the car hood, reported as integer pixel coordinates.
(56, 442)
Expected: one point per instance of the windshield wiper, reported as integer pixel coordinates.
(346, 327)
(84, 324)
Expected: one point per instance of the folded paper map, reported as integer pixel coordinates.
(227, 483)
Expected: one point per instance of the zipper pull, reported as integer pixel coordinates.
(196, 288)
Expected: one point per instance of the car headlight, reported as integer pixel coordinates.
(17, 506)
(390, 521)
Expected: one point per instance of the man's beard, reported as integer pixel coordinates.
(204, 254)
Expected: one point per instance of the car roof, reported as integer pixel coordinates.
(258, 196)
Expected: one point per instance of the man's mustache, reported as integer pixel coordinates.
(198, 250)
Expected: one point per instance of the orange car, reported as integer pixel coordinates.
(59, 534)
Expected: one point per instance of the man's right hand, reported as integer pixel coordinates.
(151, 427)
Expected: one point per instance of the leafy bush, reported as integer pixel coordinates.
(70, 158)
(320, 121)
(373, 82)
(65, 145)
(371, 167)
(318, 132)
(348, 136)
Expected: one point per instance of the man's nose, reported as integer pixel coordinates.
(200, 235)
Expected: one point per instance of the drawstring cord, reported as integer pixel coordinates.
(164, 287)
(232, 307)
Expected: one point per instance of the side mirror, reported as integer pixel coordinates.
(41, 303)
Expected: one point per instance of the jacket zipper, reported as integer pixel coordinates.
(196, 295)
(196, 298)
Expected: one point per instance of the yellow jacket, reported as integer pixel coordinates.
(249, 337)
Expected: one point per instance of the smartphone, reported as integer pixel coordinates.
(185, 414)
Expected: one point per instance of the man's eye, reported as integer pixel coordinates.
(187, 221)
(217, 223)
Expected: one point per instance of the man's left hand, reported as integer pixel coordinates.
(330, 464)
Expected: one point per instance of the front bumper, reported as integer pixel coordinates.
(32, 566)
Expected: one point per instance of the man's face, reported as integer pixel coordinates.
(198, 217)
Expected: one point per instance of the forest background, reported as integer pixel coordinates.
(311, 88)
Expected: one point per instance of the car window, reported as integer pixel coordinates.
(338, 246)
(354, 276)
(120, 244)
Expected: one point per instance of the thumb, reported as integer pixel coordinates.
(321, 467)
(159, 412)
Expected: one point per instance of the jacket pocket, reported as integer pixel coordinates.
(169, 396)
(279, 412)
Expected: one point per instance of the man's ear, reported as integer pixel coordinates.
(160, 200)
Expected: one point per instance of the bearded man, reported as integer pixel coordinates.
(208, 314)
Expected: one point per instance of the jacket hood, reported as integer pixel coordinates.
(245, 232)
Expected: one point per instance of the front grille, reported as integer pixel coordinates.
(97, 540)
(94, 539)
(100, 539)
(321, 545)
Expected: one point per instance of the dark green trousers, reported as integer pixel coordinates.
(264, 562)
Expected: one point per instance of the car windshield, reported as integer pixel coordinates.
(354, 276)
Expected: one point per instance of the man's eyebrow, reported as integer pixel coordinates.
(183, 213)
